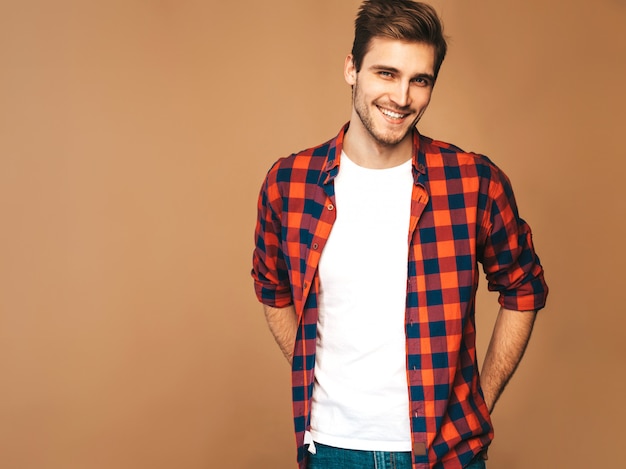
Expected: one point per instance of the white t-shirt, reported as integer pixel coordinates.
(360, 396)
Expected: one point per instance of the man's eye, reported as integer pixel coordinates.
(420, 81)
(385, 74)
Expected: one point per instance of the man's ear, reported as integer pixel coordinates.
(349, 70)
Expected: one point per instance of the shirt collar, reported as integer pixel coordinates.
(336, 146)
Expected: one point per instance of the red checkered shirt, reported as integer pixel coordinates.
(463, 213)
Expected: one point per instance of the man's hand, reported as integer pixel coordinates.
(508, 342)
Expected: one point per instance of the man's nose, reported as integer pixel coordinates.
(401, 95)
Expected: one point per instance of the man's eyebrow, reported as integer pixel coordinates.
(386, 68)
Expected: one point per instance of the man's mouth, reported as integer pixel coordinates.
(392, 114)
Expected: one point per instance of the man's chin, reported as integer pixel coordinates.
(392, 138)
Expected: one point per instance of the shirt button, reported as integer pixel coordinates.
(420, 167)
(330, 207)
(315, 246)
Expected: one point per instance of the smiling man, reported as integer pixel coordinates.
(367, 260)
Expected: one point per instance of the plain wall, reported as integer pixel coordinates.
(134, 136)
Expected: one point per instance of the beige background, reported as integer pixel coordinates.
(134, 135)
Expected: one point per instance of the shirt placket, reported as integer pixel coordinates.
(419, 201)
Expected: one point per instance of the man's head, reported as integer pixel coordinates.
(397, 19)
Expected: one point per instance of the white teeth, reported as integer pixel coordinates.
(393, 115)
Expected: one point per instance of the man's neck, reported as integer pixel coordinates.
(367, 152)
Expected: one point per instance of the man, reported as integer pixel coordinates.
(366, 261)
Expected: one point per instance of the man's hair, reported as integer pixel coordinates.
(397, 19)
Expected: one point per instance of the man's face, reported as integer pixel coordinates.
(392, 89)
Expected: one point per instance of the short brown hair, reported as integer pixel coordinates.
(398, 19)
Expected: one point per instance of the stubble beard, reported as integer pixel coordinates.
(385, 139)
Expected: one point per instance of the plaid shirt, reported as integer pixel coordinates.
(463, 212)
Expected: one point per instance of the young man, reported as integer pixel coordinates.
(366, 261)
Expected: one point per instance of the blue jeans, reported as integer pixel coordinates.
(328, 457)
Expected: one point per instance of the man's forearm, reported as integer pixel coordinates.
(283, 323)
(506, 348)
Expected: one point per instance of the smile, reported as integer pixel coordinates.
(391, 114)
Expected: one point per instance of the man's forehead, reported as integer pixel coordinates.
(399, 53)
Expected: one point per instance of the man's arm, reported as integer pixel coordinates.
(506, 348)
(283, 323)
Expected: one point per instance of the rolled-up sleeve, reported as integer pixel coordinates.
(269, 269)
(511, 265)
